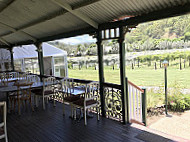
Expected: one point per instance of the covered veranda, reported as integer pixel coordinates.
(33, 22)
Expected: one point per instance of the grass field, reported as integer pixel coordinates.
(143, 76)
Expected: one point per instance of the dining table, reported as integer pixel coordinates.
(12, 88)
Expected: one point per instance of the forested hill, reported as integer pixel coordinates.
(171, 33)
(171, 28)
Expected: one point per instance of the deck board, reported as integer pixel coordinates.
(51, 126)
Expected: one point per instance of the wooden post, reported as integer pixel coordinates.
(155, 67)
(132, 66)
(40, 58)
(138, 62)
(184, 63)
(101, 71)
(12, 58)
(144, 107)
(122, 74)
(180, 66)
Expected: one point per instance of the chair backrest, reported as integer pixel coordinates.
(2, 78)
(12, 75)
(26, 90)
(22, 76)
(68, 85)
(92, 90)
(49, 83)
(3, 104)
(33, 78)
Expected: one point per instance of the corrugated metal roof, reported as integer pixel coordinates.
(38, 19)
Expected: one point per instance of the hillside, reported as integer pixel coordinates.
(172, 33)
(171, 28)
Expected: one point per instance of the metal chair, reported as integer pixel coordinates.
(4, 124)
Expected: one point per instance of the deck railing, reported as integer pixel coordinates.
(137, 103)
(113, 101)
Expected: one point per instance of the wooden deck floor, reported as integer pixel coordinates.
(51, 126)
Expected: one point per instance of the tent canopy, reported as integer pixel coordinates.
(29, 51)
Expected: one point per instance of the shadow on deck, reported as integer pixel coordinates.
(51, 126)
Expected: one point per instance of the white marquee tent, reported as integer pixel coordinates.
(55, 59)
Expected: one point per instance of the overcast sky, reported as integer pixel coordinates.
(78, 40)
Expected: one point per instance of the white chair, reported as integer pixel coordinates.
(3, 124)
(47, 91)
(33, 78)
(67, 91)
(89, 100)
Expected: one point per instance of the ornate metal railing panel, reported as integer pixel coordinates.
(113, 103)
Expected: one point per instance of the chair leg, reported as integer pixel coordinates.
(19, 106)
(54, 101)
(85, 121)
(30, 101)
(75, 113)
(43, 102)
(63, 108)
(71, 110)
(5, 131)
(37, 101)
(14, 104)
(97, 109)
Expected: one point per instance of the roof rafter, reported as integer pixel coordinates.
(11, 28)
(7, 5)
(4, 41)
(52, 16)
(156, 15)
(76, 13)
(85, 3)
(15, 31)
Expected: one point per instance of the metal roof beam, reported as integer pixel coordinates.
(16, 31)
(76, 13)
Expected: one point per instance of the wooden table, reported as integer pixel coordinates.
(12, 88)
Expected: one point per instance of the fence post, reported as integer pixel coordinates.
(144, 107)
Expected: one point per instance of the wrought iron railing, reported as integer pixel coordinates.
(113, 101)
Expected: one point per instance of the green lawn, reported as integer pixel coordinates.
(145, 76)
